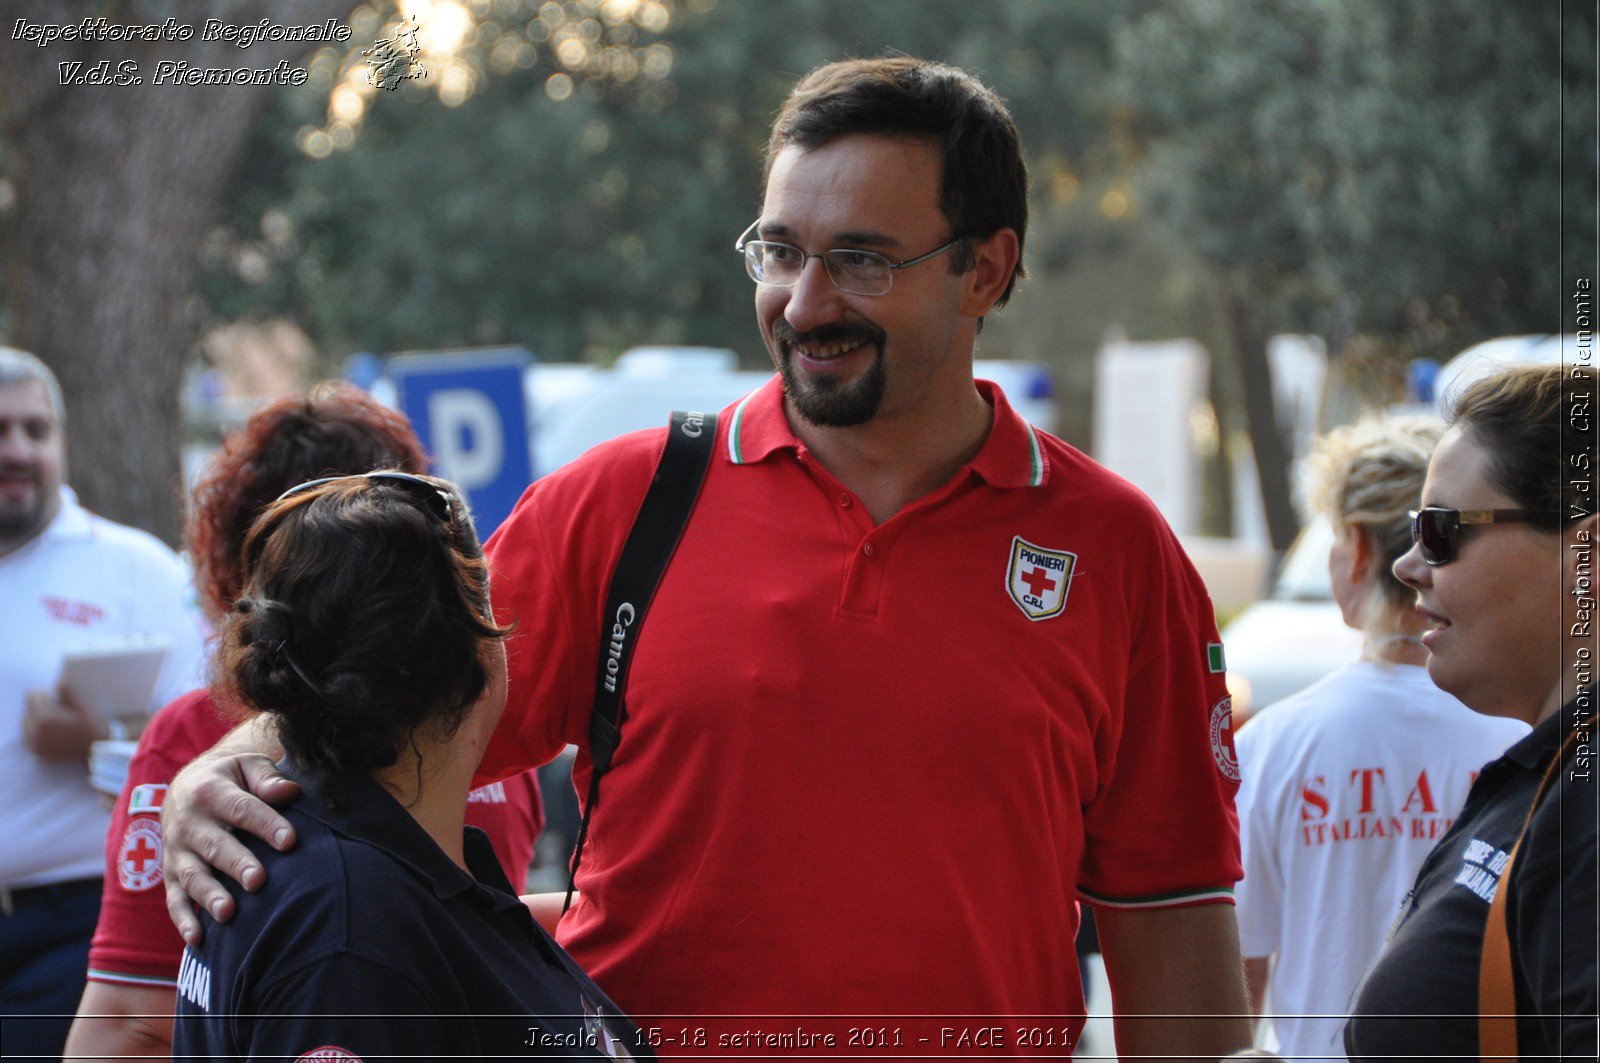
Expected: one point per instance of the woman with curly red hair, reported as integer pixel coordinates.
(335, 429)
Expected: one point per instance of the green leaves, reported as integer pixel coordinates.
(1396, 161)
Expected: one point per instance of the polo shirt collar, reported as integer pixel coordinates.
(369, 813)
(758, 428)
(71, 521)
(1534, 750)
(1010, 457)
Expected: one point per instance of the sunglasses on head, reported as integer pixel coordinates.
(439, 501)
(1437, 531)
(436, 499)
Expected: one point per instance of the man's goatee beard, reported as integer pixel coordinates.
(825, 400)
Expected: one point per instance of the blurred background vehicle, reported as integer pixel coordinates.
(574, 407)
(1491, 356)
(1293, 636)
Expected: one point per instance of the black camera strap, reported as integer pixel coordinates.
(691, 438)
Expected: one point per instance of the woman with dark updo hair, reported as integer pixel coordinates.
(365, 637)
(336, 428)
(353, 602)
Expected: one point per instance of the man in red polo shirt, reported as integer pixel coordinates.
(918, 679)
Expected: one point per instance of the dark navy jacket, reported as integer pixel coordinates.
(367, 942)
(1420, 1000)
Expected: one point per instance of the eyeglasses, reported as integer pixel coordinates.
(1438, 531)
(852, 272)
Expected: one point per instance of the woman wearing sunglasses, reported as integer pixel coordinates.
(1502, 920)
(365, 638)
(1347, 784)
(127, 1007)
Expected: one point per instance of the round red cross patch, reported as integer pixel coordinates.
(139, 859)
(1222, 739)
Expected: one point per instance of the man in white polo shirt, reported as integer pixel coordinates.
(69, 581)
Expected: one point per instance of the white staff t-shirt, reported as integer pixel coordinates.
(1345, 788)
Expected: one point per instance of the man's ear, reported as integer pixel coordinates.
(994, 261)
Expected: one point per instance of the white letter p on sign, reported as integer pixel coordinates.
(468, 438)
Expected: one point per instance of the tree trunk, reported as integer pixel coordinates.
(115, 187)
(1261, 418)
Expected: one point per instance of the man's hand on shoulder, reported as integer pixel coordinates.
(229, 786)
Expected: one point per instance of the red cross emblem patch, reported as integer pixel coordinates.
(1038, 578)
(139, 859)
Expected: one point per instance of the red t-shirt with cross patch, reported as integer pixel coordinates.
(867, 769)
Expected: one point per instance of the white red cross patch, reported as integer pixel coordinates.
(139, 859)
(1037, 578)
(1222, 739)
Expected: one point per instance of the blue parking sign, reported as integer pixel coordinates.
(468, 408)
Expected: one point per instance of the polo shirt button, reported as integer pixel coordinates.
(845, 502)
(867, 549)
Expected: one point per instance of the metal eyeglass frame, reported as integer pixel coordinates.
(744, 243)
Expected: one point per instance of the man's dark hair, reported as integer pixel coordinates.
(983, 182)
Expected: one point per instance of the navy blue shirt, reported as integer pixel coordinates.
(1421, 998)
(368, 942)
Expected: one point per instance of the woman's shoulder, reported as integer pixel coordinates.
(307, 883)
(1562, 831)
(1553, 909)
(329, 895)
(1308, 713)
(333, 868)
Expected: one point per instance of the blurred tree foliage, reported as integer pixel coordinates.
(1385, 175)
(1376, 169)
(1403, 179)
(110, 181)
(1411, 172)
(583, 222)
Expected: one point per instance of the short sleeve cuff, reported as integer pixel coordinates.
(133, 978)
(1177, 899)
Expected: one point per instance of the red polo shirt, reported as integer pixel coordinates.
(867, 769)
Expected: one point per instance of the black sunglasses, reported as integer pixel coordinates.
(1438, 531)
(442, 502)
(438, 501)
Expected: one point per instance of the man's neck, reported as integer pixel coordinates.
(893, 460)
